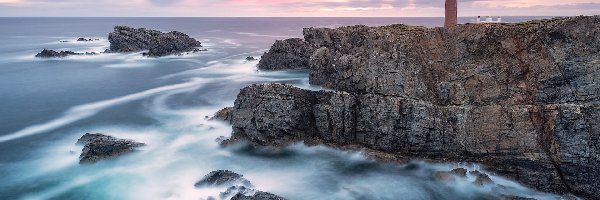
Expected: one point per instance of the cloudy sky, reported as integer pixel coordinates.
(294, 8)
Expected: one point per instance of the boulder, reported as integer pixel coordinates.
(287, 54)
(250, 58)
(223, 178)
(127, 39)
(47, 53)
(101, 147)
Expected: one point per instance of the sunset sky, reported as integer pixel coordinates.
(294, 8)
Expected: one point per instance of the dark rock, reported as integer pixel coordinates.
(287, 54)
(449, 176)
(101, 147)
(250, 58)
(223, 177)
(224, 114)
(47, 53)
(257, 196)
(481, 178)
(127, 39)
(521, 99)
(84, 40)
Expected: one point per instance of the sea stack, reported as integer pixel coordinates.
(451, 13)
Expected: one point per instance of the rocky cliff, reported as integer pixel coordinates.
(521, 99)
(127, 39)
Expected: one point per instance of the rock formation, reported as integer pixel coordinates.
(238, 187)
(521, 99)
(287, 54)
(127, 39)
(48, 53)
(101, 147)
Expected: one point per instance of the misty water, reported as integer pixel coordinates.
(47, 104)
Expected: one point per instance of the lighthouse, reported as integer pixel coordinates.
(451, 13)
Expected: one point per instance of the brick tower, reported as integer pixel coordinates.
(451, 13)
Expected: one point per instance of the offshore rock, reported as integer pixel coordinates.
(522, 99)
(48, 53)
(127, 39)
(291, 53)
(101, 147)
(257, 196)
(221, 178)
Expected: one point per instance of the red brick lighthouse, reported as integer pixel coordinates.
(451, 13)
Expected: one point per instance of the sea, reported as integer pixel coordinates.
(47, 104)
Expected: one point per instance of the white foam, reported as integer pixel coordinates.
(84, 111)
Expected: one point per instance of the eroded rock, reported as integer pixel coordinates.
(48, 53)
(221, 178)
(127, 39)
(287, 54)
(101, 147)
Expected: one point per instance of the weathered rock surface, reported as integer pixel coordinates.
(101, 147)
(223, 114)
(238, 187)
(221, 178)
(522, 99)
(291, 53)
(127, 39)
(48, 53)
(257, 196)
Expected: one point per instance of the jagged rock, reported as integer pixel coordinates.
(250, 58)
(522, 99)
(101, 147)
(257, 196)
(287, 54)
(481, 178)
(223, 177)
(223, 114)
(127, 39)
(84, 40)
(47, 53)
(448, 176)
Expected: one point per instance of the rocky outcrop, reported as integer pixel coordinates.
(223, 114)
(238, 188)
(287, 54)
(521, 99)
(48, 53)
(257, 196)
(101, 147)
(127, 39)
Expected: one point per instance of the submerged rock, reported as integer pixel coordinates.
(522, 99)
(481, 178)
(449, 176)
(127, 39)
(101, 147)
(250, 58)
(48, 53)
(287, 54)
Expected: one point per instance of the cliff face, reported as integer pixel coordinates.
(521, 99)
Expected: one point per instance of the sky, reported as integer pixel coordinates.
(292, 8)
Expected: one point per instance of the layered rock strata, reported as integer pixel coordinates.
(521, 99)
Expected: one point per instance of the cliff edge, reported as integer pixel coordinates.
(521, 99)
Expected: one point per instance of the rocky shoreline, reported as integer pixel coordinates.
(126, 39)
(521, 99)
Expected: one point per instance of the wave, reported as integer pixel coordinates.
(87, 110)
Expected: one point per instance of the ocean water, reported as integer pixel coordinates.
(47, 104)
